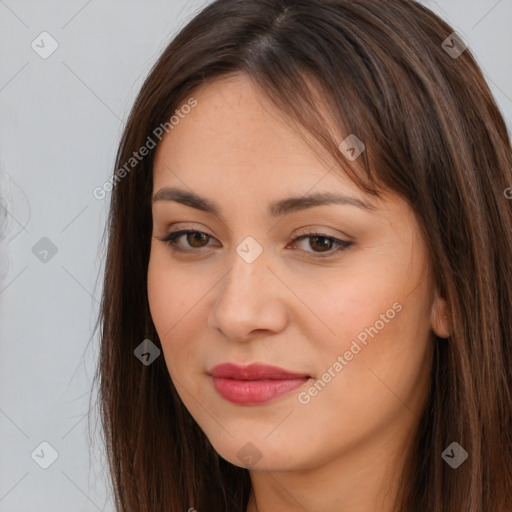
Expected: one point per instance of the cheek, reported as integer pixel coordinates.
(161, 296)
(166, 306)
(170, 292)
(354, 307)
(174, 302)
(378, 314)
(382, 297)
(378, 357)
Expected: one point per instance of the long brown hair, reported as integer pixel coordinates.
(433, 134)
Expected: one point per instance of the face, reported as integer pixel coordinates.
(340, 295)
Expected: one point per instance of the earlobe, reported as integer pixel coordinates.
(441, 318)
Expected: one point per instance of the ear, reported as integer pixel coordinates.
(441, 317)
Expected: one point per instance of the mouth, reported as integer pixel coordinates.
(254, 384)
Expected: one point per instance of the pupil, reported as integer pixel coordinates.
(325, 239)
(197, 237)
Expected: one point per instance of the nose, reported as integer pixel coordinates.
(250, 301)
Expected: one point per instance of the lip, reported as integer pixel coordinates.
(255, 383)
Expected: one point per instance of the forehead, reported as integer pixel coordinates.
(237, 133)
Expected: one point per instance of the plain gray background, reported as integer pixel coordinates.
(60, 121)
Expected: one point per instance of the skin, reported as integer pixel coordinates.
(345, 448)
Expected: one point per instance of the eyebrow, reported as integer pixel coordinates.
(275, 209)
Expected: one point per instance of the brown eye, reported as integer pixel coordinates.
(321, 243)
(196, 238)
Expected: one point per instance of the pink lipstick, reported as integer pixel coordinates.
(255, 383)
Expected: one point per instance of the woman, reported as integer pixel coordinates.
(307, 298)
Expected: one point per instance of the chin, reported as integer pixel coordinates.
(261, 454)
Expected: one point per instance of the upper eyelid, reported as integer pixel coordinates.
(298, 233)
(303, 233)
(184, 226)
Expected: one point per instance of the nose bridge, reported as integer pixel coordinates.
(244, 297)
(248, 268)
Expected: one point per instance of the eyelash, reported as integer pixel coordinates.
(342, 245)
